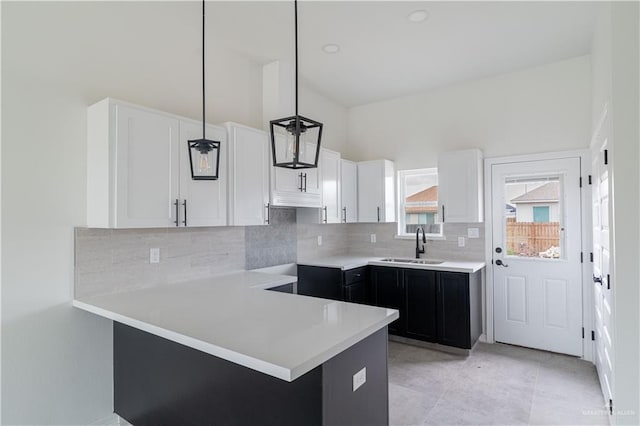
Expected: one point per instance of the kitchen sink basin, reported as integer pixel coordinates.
(416, 261)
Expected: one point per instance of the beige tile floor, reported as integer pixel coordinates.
(496, 385)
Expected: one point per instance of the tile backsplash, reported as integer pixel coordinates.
(114, 260)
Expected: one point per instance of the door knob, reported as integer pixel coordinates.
(500, 263)
(498, 250)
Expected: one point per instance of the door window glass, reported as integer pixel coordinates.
(533, 217)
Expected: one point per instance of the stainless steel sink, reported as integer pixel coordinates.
(416, 261)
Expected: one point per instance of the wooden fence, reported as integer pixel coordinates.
(530, 239)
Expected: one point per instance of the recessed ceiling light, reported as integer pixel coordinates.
(418, 16)
(331, 48)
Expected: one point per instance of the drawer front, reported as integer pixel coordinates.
(355, 275)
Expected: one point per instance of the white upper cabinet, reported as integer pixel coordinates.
(376, 191)
(330, 178)
(460, 186)
(248, 175)
(349, 191)
(295, 188)
(138, 173)
(202, 202)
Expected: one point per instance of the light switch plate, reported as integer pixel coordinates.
(154, 255)
(461, 242)
(359, 379)
(319, 240)
(373, 238)
(473, 232)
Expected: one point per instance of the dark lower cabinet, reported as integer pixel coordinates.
(320, 282)
(421, 301)
(388, 292)
(333, 283)
(285, 288)
(440, 307)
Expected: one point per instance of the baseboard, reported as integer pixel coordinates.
(429, 345)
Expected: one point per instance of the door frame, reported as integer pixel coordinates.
(586, 243)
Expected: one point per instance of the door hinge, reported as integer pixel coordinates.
(580, 181)
(593, 335)
(583, 332)
(608, 282)
(610, 406)
(591, 257)
(606, 157)
(581, 257)
(590, 180)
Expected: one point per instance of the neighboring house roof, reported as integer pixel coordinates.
(425, 201)
(549, 192)
(429, 194)
(510, 208)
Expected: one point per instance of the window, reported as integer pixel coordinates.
(540, 214)
(418, 202)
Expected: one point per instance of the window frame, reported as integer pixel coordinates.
(400, 203)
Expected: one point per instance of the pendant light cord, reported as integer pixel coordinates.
(295, 7)
(203, 91)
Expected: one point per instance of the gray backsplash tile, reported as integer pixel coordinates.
(114, 260)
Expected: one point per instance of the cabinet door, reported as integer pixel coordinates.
(421, 304)
(349, 191)
(320, 282)
(460, 183)
(453, 309)
(147, 171)
(296, 188)
(370, 192)
(330, 176)
(356, 292)
(388, 292)
(248, 176)
(206, 199)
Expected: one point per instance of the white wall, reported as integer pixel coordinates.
(615, 57)
(332, 115)
(536, 110)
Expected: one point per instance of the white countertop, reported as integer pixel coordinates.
(347, 262)
(232, 317)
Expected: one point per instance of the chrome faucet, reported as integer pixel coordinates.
(424, 240)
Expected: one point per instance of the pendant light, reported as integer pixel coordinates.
(204, 154)
(295, 140)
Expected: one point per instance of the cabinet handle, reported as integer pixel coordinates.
(344, 214)
(268, 218)
(305, 182)
(378, 214)
(443, 213)
(184, 204)
(177, 204)
(325, 214)
(300, 187)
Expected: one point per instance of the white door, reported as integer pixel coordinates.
(601, 264)
(147, 175)
(349, 191)
(295, 188)
(536, 244)
(330, 178)
(460, 186)
(248, 176)
(202, 202)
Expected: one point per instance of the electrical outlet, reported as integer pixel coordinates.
(154, 255)
(373, 238)
(461, 242)
(359, 379)
(319, 240)
(473, 232)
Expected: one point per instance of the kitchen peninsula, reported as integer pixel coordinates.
(223, 350)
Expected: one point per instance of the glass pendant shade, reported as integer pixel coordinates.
(295, 142)
(204, 158)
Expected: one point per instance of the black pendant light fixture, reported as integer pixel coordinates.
(204, 154)
(295, 141)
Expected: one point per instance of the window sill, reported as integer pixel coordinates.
(428, 236)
